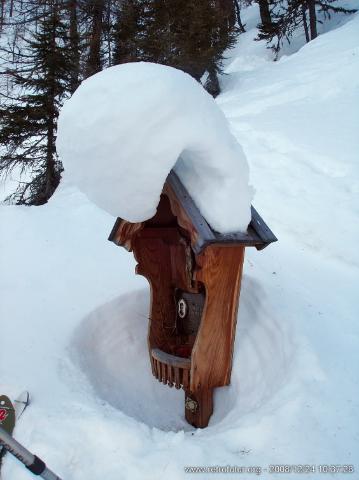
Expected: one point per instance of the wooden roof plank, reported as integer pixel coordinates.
(258, 234)
(204, 231)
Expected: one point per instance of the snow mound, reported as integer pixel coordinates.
(110, 347)
(126, 127)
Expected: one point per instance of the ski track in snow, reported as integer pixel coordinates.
(74, 315)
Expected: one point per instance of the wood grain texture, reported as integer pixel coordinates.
(171, 370)
(179, 255)
(125, 232)
(220, 270)
(202, 401)
(169, 359)
(183, 218)
(164, 257)
(153, 257)
(258, 234)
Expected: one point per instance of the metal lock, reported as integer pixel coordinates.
(182, 308)
(189, 308)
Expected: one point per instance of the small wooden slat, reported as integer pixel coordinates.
(161, 372)
(155, 372)
(177, 377)
(170, 375)
(158, 370)
(170, 369)
(164, 373)
(185, 380)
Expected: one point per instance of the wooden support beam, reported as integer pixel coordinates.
(199, 407)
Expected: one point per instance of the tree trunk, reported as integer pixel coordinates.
(50, 121)
(227, 8)
(264, 12)
(2, 14)
(305, 25)
(238, 14)
(108, 31)
(74, 43)
(94, 63)
(312, 19)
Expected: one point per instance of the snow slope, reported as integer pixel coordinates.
(74, 315)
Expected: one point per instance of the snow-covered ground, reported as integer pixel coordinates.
(74, 315)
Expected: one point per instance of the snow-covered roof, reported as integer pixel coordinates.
(126, 127)
(258, 235)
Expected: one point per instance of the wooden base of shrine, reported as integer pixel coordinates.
(199, 407)
(175, 372)
(195, 277)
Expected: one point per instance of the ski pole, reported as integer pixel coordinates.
(31, 462)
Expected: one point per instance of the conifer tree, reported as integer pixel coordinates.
(289, 15)
(96, 12)
(74, 44)
(96, 18)
(128, 32)
(28, 122)
(191, 35)
(237, 7)
(264, 11)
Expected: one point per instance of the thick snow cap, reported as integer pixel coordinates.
(126, 127)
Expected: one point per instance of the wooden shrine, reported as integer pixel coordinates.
(195, 279)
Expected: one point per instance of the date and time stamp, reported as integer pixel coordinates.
(325, 468)
(331, 469)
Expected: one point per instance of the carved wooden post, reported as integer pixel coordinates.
(195, 278)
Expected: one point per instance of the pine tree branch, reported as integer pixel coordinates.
(327, 7)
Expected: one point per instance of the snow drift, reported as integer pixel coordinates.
(126, 127)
